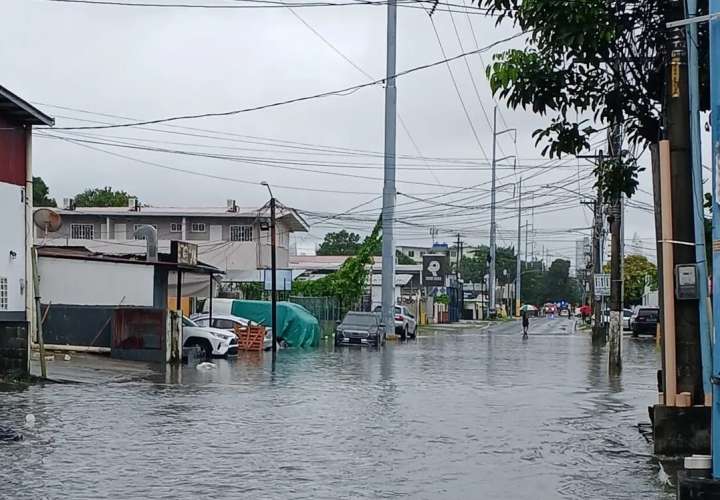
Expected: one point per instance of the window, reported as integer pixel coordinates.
(175, 227)
(197, 227)
(82, 231)
(241, 233)
(411, 253)
(138, 226)
(225, 324)
(3, 294)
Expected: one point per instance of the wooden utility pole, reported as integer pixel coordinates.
(616, 256)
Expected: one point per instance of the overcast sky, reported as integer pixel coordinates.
(147, 63)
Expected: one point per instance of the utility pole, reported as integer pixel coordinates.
(518, 270)
(273, 266)
(615, 141)
(389, 191)
(493, 227)
(687, 339)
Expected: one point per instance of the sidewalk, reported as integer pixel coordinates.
(461, 325)
(90, 368)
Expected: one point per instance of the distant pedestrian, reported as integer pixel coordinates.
(525, 323)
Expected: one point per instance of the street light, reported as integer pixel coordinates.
(273, 265)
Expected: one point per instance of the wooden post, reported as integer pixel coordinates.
(670, 373)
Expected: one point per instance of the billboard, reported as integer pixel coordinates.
(435, 269)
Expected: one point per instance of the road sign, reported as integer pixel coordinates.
(435, 269)
(602, 285)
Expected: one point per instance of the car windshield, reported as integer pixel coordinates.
(188, 322)
(360, 320)
(648, 313)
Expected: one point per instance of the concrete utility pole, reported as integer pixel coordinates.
(493, 227)
(389, 191)
(518, 270)
(615, 141)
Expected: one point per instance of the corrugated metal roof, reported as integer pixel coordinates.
(22, 111)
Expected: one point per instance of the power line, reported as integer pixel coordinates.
(345, 91)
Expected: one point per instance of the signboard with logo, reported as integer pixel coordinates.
(602, 285)
(184, 253)
(435, 269)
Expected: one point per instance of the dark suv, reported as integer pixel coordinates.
(645, 321)
(360, 328)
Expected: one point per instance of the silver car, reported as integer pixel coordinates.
(360, 328)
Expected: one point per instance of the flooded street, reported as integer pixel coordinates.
(473, 413)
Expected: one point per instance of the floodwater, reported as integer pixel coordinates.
(456, 414)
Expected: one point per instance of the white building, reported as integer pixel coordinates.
(16, 299)
(233, 239)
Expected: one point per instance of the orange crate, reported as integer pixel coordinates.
(250, 338)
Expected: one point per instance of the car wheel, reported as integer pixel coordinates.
(202, 344)
(413, 335)
(634, 334)
(404, 333)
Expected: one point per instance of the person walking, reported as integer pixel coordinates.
(525, 323)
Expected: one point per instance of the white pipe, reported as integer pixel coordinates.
(73, 348)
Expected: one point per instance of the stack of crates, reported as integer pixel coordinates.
(250, 338)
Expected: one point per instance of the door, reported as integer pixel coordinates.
(216, 233)
(120, 231)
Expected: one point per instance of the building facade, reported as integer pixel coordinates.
(16, 298)
(235, 240)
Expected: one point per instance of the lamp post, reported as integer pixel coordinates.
(273, 266)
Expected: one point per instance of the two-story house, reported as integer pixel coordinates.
(234, 239)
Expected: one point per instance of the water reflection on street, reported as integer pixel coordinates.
(456, 414)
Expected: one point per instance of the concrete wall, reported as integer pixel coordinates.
(80, 282)
(12, 208)
(13, 348)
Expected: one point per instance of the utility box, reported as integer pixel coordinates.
(686, 282)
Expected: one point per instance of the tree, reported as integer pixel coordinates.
(41, 194)
(102, 197)
(557, 284)
(348, 283)
(639, 272)
(339, 243)
(589, 58)
(404, 259)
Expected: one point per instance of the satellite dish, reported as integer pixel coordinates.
(48, 220)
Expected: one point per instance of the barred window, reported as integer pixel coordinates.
(175, 227)
(197, 227)
(3, 294)
(82, 231)
(241, 233)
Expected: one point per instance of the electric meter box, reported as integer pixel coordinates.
(686, 282)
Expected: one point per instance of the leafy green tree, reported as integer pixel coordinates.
(589, 58)
(404, 259)
(339, 243)
(557, 284)
(348, 283)
(102, 197)
(638, 271)
(41, 194)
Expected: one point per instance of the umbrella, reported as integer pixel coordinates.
(528, 307)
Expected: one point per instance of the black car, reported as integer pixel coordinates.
(645, 321)
(360, 328)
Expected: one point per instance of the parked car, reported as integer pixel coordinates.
(645, 321)
(405, 322)
(360, 328)
(228, 322)
(213, 341)
(627, 314)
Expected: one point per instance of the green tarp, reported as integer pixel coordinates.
(297, 327)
